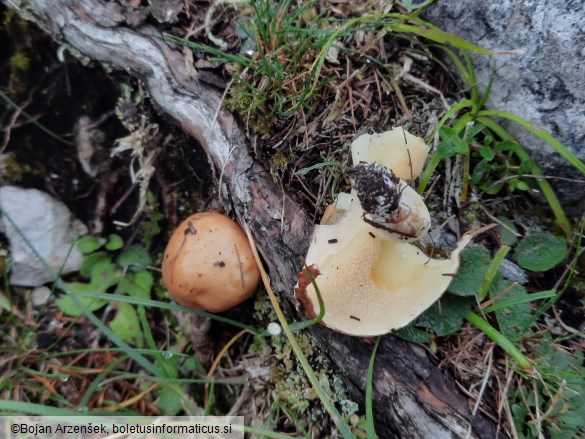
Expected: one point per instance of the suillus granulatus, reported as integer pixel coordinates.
(370, 275)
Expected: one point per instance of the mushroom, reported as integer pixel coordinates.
(371, 279)
(208, 263)
(396, 149)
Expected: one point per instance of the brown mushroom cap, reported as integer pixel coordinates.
(208, 263)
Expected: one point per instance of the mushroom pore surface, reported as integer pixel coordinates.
(372, 279)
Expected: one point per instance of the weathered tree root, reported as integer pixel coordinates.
(412, 399)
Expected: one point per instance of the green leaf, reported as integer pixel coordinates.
(560, 365)
(540, 251)
(515, 319)
(89, 262)
(494, 188)
(135, 255)
(487, 153)
(104, 274)
(127, 326)
(506, 146)
(474, 130)
(192, 365)
(519, 414)
(136, 284)
(507, 231)
(475, 260)
(69, 307)
(170, 399)
(516, 183)
(89, 244)
(5, 302)
(410, 333)
(557, 366)
(479, 171)
(451, 144)
(446, 315)
(114, 242)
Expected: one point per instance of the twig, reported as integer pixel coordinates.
(490, 356)
(12, 121)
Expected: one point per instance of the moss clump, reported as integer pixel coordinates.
(10, 170)
(279, 164)
(151, 218)
(292, 388)
(250, 106)
(294, 391)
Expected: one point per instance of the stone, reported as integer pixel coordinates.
(49, 227)
(544, 84)
(40, 295)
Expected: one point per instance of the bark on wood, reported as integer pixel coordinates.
(412, 398)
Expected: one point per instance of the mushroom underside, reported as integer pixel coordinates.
(389, 284)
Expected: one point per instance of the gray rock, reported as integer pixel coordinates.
(39, 296)
(48, 225)
(513, 272)
(544, 84)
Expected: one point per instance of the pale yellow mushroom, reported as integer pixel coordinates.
(371, 280)
(396, 149)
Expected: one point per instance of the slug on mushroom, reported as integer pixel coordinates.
(208, 263)
(371, 278)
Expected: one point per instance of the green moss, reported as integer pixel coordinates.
(152, 216)
(20, 62)
(294, 391)
(280, 161)
(249, 105)
(10, 170)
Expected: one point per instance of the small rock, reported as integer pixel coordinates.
(513, 272)
(49, 227)
(258, 372)
(39, 296)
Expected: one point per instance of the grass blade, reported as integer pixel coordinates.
(166, 305)
(20, 408)
(370, 426)
(544, 185)
(501, 340)
(32, 120)
(435, 159)
(501, 304)
(492, 270)
(539, 132)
